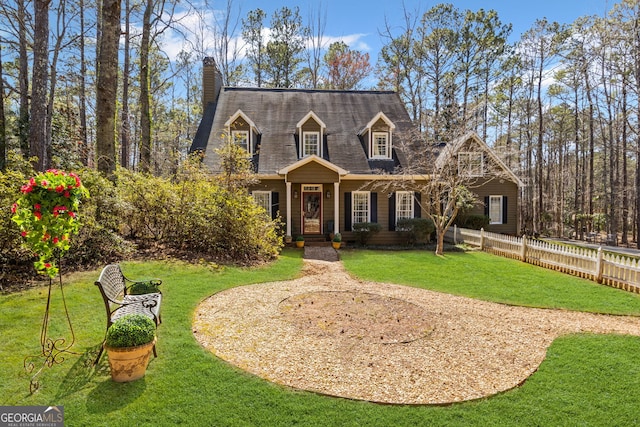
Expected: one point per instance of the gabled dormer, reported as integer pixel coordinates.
(311, 131)
(242, 131)
(378, 137)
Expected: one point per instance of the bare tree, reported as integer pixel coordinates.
(317, 25)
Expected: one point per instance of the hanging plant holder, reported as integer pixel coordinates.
(47, 214)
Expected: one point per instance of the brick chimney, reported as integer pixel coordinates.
(211, 81)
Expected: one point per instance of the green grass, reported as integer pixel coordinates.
(585, 379)
(488, 277)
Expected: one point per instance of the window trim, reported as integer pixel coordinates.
(500, 200)
(269, 199)
(246, 134)
(303, 146)
(387, 136)
(410, 194)
(353, 206)
(463, 167)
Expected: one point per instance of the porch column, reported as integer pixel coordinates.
(288, 208)
(336, 207)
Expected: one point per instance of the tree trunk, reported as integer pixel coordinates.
(3, 132)
(83, 149)
(125, 132)
(38, 121)
(23, 79)
(145, 108)
(106, 87)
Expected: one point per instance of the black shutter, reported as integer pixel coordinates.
(504, 209)
(347, 211)
(392, 212)
(486, 206)
(374, 207)
(275, 204)
(417, 198)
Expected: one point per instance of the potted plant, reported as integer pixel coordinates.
(336, 241)
(129, 343)
(287, 239)
(300, 241)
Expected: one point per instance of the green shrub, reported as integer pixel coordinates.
(130, 331)
(416, 229)
(99, 241)
(364, 231)
(472, 221)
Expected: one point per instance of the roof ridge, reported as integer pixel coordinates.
(265, 89)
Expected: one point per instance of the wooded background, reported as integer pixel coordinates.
(92, 84)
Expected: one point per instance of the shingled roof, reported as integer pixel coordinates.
(275, 113)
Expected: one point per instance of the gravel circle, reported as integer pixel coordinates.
(449, 348)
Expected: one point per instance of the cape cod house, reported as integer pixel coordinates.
(314, 151)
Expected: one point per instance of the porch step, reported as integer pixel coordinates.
(316, 239)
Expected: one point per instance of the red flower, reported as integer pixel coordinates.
(37, 206)
(72, 214)
(67, 194)
(55, 240)
(44, 183)
(46, 237)
(37, 214)
(14, 208)
(47, 265)
(60, 188)
(24, 234)
(26, 188)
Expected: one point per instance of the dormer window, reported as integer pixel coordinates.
(241, 138)
(378, 135)
(311, 132)
(471, 164)
(380, 145)
(242, 131)
(310, 143)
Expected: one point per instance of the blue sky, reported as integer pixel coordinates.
(359, 21)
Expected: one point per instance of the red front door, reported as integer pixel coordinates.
(312, 212)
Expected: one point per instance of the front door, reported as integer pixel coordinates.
(312, 209)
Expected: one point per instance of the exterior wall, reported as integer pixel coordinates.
(496, 188)
(317, 174)
(312, 173)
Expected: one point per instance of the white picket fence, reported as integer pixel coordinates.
(614, 270)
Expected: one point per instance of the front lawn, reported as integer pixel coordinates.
(585, 380)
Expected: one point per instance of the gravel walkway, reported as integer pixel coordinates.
(328, 333)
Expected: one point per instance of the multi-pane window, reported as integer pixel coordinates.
(380, 145)
(470, 164)
(241, 138)
(263, 199)
(495, 209)
(310, 143)
(360, 203)
(404, 204)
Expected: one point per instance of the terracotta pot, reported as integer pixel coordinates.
(129, 363)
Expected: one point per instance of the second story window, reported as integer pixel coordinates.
(380, 145)
(310, 144)
(241, 138)
(470, 164)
